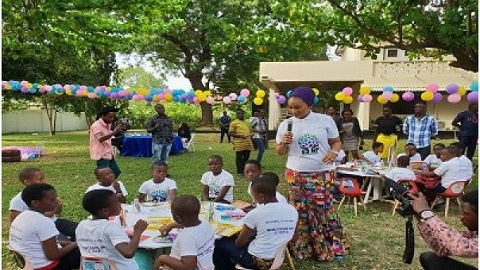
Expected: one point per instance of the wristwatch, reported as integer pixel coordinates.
(426, 214)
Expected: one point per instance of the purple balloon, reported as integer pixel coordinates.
(472, 97)
(281, 99)
(360, 98)
(452, 88)
(408, 96)
(437, 98)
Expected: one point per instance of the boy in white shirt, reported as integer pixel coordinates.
(99, 238)
(106, 180)
(373, 156)
(33, 235)
(434, 161)
(401, 172)
(159, 188)
(271, 226)
(466, 165)
(193, 248)
(411, 152)
(253, 170)
(217, 183)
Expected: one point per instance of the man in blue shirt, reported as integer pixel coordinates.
(420, 128)
(467, 121)
(224, 126)
(161, 127)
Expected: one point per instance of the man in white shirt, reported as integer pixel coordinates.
(434, 161)
(217, 183)
(411, 152)
(401, 172)
(466, 165)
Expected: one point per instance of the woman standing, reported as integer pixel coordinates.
(351, 134)
(311, 142)
(387, 128)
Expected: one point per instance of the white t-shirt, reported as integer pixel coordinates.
(340, 156)
(98, 186)
(98, 238)
(17, 204)
(466, 168)
(433, 161)
(157, 192)
(372, 157)
(216, 182)
(416, 157)
(274, 224)
(449, 171)
(310, 142)
(196, 241)
(27, 233)
(278, 195)
(398, 173)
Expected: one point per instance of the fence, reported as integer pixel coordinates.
(37, 121)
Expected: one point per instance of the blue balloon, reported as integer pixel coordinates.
(32, 90)
(388, 89)
(241, 99)
(149, 97)
(35, 85)
(31, 156)
(316, 100)
(289, 92)
(474, 86)
(191, 94)
(90, 89)
(128, 97)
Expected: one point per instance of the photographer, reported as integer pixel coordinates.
(117, 140)
(444, 240)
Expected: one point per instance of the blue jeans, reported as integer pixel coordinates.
(161, 151)
(260, 145)
(226, 250)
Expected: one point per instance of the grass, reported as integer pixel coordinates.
(377, 239)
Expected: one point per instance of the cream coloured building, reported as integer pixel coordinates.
(391, 68)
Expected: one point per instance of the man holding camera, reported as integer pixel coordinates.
(161, 127)
(101, 140)
(444, 240)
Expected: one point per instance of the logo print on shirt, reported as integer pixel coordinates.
(309, 144)
(159, 196)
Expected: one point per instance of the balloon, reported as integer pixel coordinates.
(426, 96)
(367, 98)
(91, 95)
(347, 91)
(339, 96)
(207, 93)
(23, 83)
(395, 98)
(348, 100)
(437, 98)
(316, 91)
(472, 97)
(276, 94)
(408, 96)
(474, 86)
(210, 100)
(433, 87)
(233, 96)
(257, 101)
(198, 92)
(156, 98)
(226, 100)
(388, 89)
(365, 90)
(360, 98)
(316, 100)
(382, 100)
(168, 97)
(452, 89)
(462, 91)
(260, 94)
(24, 157)
(202, 97)
(31, 156)
(454, 98)
(281, 99)
(24, 89)
(289, 92)
(241, 99)
(245, 92)
(387, 95)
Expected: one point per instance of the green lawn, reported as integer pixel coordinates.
(377, 239)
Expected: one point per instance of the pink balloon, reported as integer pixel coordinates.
(196, 100)
(48, 88)
(408, 96)
(276, 94)
(245, 92)
(433, 87)
(91, 95)
(347, 91)
(113, 95)
(83, 87)
(161, 96)
(387, 95)
(437, 98)
(454, 98)
(210, 100)
(23, 83)
(233, 96)
(121, 94)
(226, 100)
(367, 98)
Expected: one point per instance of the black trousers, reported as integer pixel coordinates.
(431, 261)
(66, 227)
(69, 261)
(424, 152)
(224, 131)
(470, 144)
(240, 160)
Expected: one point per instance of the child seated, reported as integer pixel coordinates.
(265, 230)
(33, 235)
(193, 247)
(27, 177)
(466, 165)
(99, 238)
(159, 188)
(217, 183)
(373, 156)
(253, 170)
(434, 161)
(401, 172)
(106, 180)
(411, 152)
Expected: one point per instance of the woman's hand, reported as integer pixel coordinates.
(329, 158)
(287, 138)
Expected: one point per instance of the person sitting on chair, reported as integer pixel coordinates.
(184, 132)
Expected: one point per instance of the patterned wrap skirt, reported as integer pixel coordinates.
(319, 230)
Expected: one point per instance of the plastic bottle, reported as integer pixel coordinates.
(137, 208)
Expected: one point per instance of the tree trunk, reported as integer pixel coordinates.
(195, 79)
(50, 109)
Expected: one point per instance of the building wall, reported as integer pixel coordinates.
(37, 121)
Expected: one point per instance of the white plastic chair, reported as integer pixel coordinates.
(20, 260)
(190, 146)
(277, 261)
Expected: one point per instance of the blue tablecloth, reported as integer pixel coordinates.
(141, 146)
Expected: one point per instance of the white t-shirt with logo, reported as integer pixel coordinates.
(371, 157)
(398, 173)
(99, 186)
(17, 204)
(196, 241)
(216, 182)
(157, 192)
(274, 224)
(98, 238)
(278, 195)
(433, 161)
(416, 157)
(310, 142)
(466, 168)
(27, 232)
(449, 171)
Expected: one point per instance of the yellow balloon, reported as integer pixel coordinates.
(462, 91)
(426, 96)
(381, 100)
(8, 87)
(395, 98)
(261, 94)
(68, 92)
(365, 90)
(348, 99)
(316, 91)
(85, 93)
(202, 97)
(198, 93)
(208, 93)
(108, 88)
(168, 97)
(339, 96)
(257, 101)
(142, 91)
(28, 85)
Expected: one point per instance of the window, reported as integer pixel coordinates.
(392, 53)
(395, 54)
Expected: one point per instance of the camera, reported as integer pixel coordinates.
(399, 192)
(126, 123)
